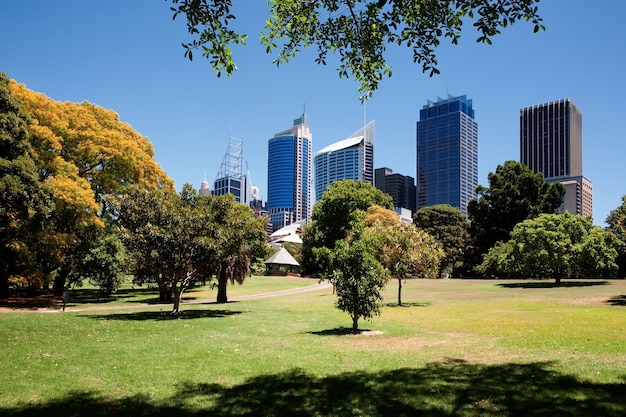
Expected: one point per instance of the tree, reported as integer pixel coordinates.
(331, 219)
(515, 194)
(25, 201)
(451, 229)
(84, 153)
(358, 31)
(616, 221)
(179, 239)
(558, 246)
(401, 248)
(358, 278)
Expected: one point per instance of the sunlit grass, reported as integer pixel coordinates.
(449, 333)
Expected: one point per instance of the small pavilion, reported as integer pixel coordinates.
(282, 264)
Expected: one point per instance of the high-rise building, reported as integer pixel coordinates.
(551, 143)
(230, 178)
(351, 158)
(400, 187)
(289, 176)
(447, 153)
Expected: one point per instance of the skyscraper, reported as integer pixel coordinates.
(551, 143)
(230, 178)
(351, 158)
(447, 153)
(400, 187)
(289, 176)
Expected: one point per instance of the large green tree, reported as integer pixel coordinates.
(179, 239)
(331, 219)
(451, 229)
(558, 246)
(616, 221)
(359, 31)
(515, 194)
(25, 202)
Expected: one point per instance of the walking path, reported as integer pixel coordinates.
(319, 286)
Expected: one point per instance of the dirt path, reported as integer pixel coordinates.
(320, 286)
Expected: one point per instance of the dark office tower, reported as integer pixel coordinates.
(551, 143)
(447, 153)
(289, 176)
(400, 187)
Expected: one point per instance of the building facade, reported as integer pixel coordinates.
(289, 175)
(551, 144)
(447, 153)
(351, 158)
(400, 187)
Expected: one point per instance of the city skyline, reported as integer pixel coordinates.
(69, 51)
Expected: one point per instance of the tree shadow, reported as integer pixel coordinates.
(552, 284)
(341, 331)
(442, 389)
(619, 300)
(163, 315)
(405, 304)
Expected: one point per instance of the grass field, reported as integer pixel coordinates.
(456, 348)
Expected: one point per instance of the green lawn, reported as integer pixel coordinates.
(456, 348)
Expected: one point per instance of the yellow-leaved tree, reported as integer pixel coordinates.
(84, 153)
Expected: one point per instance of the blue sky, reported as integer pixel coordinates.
(127, 56)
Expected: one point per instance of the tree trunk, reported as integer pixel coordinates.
(59, 285)
(165, 293)
(178, 296)
(399, 291)
(222, 281)
(355, 323)
(4, 279)
(558, 281)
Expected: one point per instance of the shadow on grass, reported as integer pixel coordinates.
(163, 315)
(404, 304)
(451, 388)
(340, 331)
(552, 284)
(619, 300)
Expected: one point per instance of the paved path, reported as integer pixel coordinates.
(320, 286)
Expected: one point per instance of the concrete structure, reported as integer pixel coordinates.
(289, 175)
(551, 143)
(447, 153)
(351, 158)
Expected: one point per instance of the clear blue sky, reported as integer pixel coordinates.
(126, 56)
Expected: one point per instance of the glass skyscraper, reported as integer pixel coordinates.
(551, 143)
(289, 176)
(351, 158)
(447, 153)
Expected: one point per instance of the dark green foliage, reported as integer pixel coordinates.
(97, 254)
(178, 239)
(451, 229)
(24, 201)
(358, 278)
(332, 216)
(515, 194)
(359, 32)
(558, 246)
(617, 226)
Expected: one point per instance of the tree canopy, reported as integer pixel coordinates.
(555, 246)
(616, 221)
(515, 194)
(360, 32)
(332, 216)
(78, 153)
(25, 201)
(450, 227)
